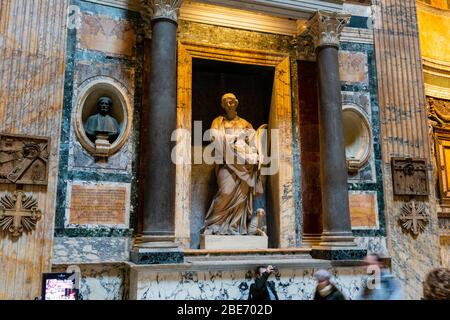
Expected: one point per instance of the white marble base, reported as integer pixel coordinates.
(217, 242)
(291, 283)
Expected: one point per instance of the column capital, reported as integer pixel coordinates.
(162, 9)
(326, 27)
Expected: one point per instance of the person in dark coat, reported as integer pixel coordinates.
(325, 289)
(262, 289)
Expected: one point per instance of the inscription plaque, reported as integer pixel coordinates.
(363, 210)
(98, 204)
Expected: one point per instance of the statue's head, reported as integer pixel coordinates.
(260, 212)
(104, 105)
(229, 102)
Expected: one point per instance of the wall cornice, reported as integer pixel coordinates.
(294, 9)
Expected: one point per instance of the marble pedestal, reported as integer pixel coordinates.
(217, 242)
(225, 279)
(157, 252)
(338, 253)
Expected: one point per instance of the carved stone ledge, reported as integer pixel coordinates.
(162, 9)
(326, 28)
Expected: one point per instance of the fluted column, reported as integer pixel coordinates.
(158, 189)
(404, 127)
(326, 28)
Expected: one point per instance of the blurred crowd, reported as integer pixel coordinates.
(380, 284)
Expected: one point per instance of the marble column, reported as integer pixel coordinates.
(158, 190)
(337, 238)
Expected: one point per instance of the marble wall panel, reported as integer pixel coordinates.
(102, 33)
(353, 67)
(33, 51)
(101, 281)
(364, 97)
(73, 250)
(108, 44)
(363, 209)
(373, 244)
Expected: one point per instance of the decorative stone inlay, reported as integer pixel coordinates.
(162, 9)
(18, 213)
(326, 27)
(414, 217)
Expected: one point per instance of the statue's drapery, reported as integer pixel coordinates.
(238, 176)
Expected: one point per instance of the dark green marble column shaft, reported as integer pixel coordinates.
(159, 184)
(335, 203)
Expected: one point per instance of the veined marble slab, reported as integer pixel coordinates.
(373, 244)
(91, 250)
(102, 281)
(291, 284)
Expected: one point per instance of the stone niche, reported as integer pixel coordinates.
(210, 80)
(90, 91)
(358, 137)
(196, 183)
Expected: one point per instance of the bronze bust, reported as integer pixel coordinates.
(102, 123)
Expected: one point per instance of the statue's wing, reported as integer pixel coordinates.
(262, 143)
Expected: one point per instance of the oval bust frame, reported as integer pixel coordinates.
(356, 164)
(121, 92)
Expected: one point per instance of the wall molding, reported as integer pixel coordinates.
(134, 5)
(437, 92)
(294, 9)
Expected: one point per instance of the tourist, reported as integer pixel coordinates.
(437, 285)
(384, 286)
(325, 289)
(262, 289)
